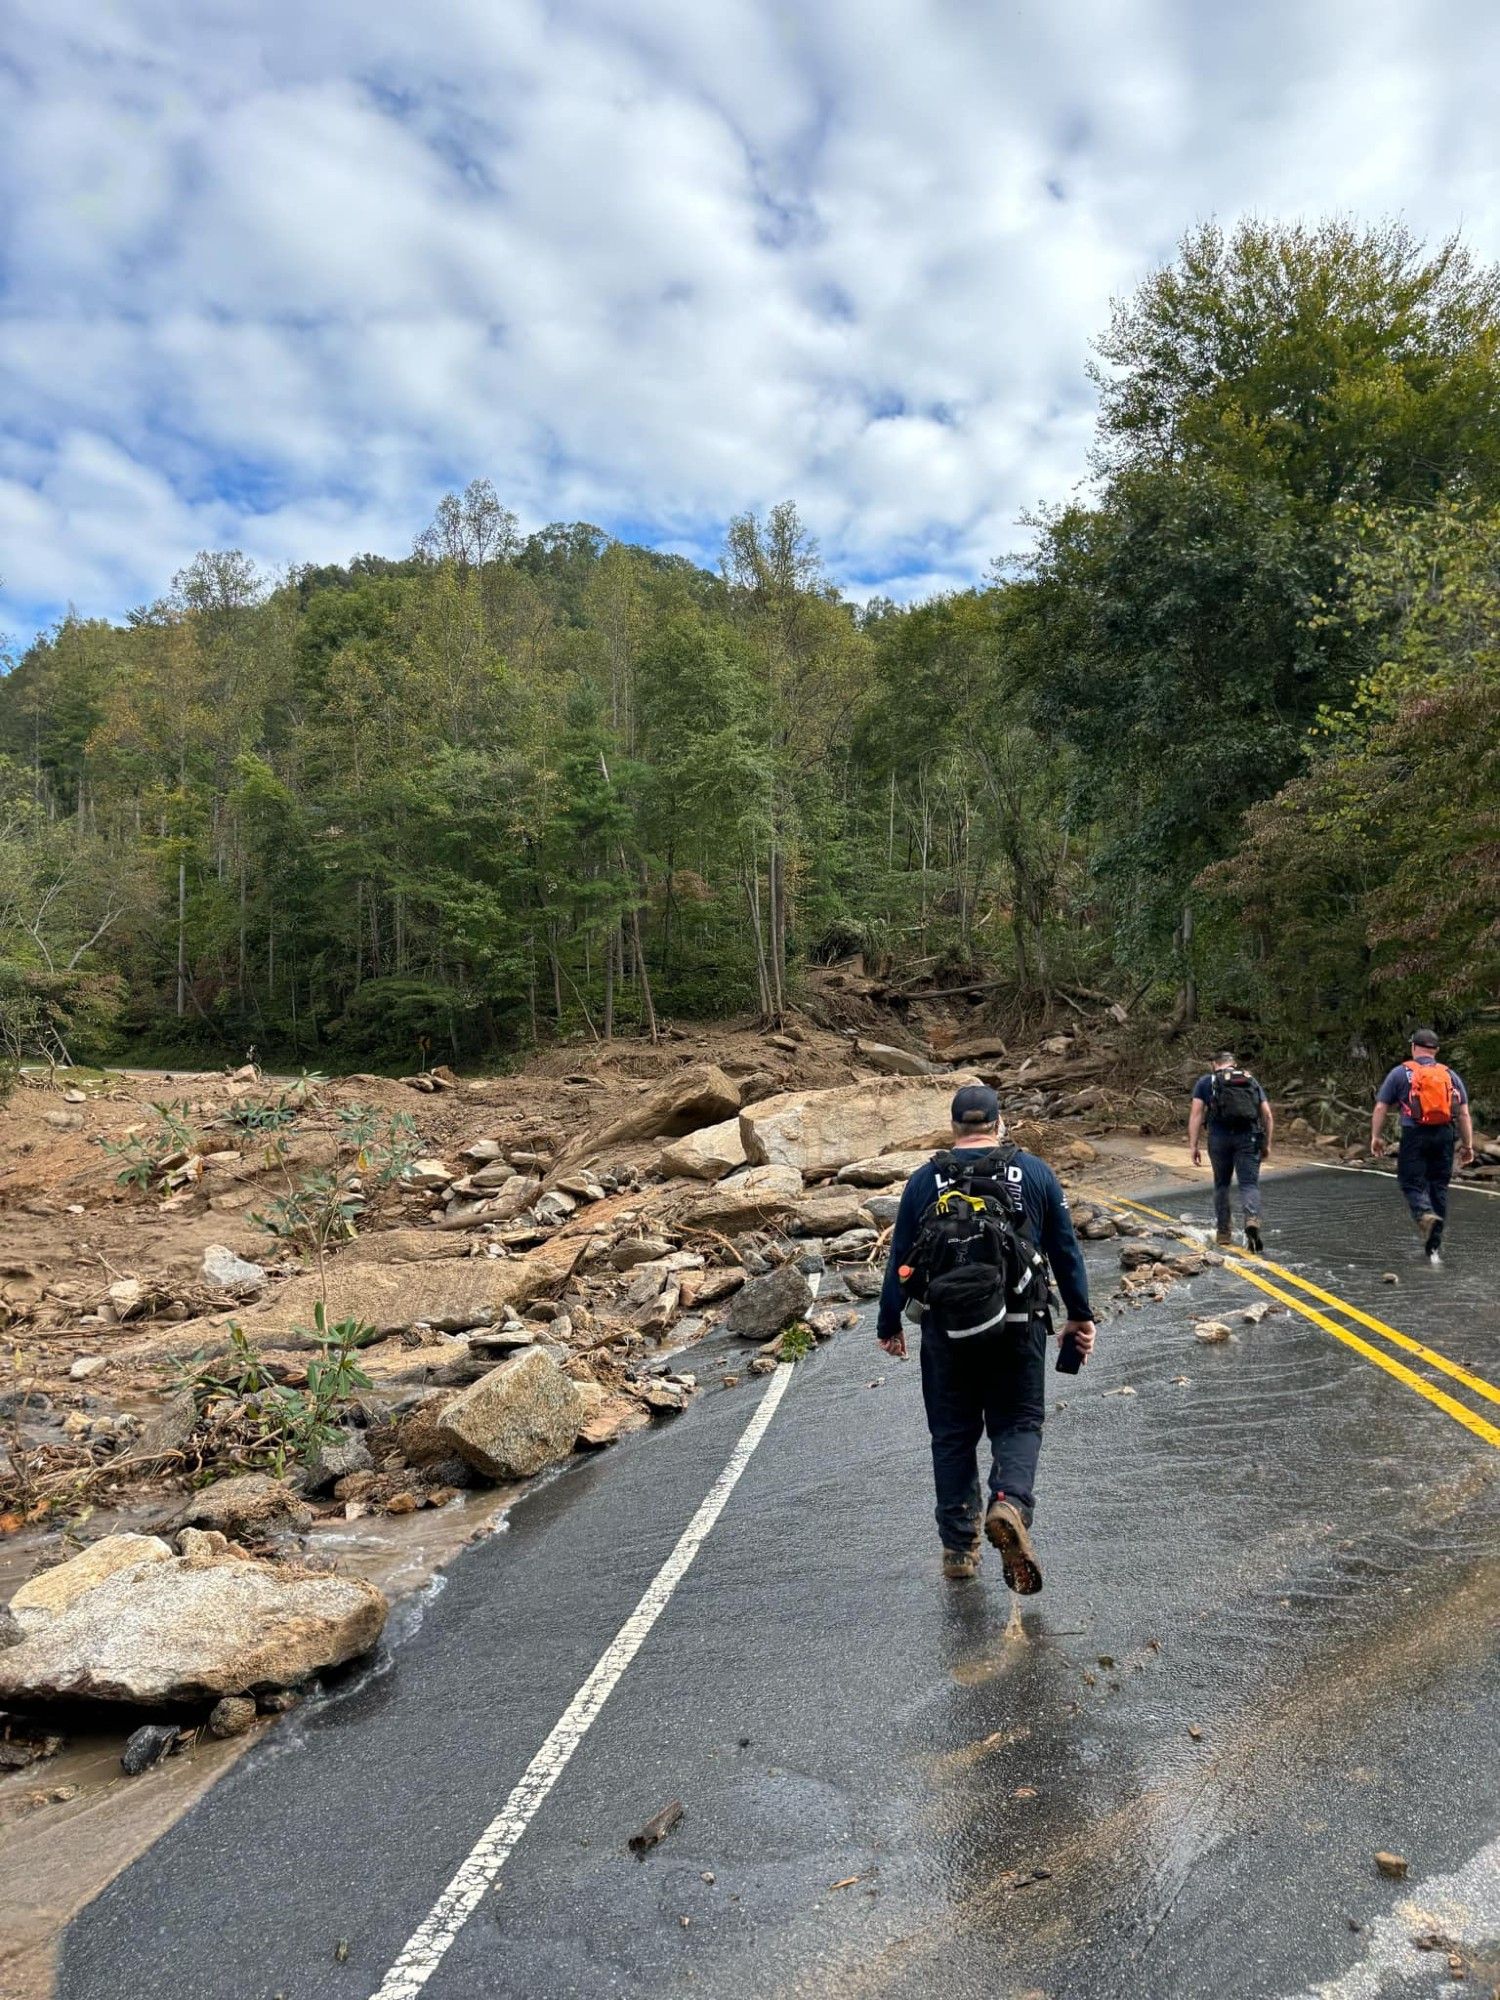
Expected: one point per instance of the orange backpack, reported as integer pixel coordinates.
(1430, 1093)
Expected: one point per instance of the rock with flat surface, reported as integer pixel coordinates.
(228, 1273)
(828, 1213)
(251, 1500)
(522, 1416)
(42, 1597)
(885, 1169)
(448, 1291)
(194, 1628)
(698, 1095)
(820, 1131)
(747, 1200)
(705, 1155)
(763, 1306)
(892, 1061)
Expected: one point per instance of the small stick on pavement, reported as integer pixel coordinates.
(655, 1829)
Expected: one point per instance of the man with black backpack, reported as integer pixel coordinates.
(975, 1233)
(1432, 1100)
(1240, 1122)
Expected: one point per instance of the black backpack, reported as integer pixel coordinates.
(1234, 1098)
(971, 1264)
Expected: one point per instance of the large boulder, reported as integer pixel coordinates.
(885, 1170)
(39, 1600)
(765, 1305)
(452, 1292)
(706, 1155)
(748, 1200)
(522, 1416)
(698, 1095)
(820, 1131)
(193, 1628)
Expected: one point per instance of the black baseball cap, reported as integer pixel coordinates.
(975, 1104)
(1424, 1038)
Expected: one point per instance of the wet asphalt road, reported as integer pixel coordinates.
(1286, 1550)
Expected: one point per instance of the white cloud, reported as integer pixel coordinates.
(277, 275)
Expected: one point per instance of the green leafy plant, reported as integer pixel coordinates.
(143, 1155)
(797, 1342)
(280, 1425)
(317, 1211)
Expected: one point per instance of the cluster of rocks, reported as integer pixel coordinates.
(1150, 1268)
(531, 1304)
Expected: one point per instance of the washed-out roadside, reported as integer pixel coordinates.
(527, 1260)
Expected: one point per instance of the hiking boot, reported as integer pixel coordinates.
(962, 1565)
(1253, 1241)
(1010, 1535)
(1428, 1222)
(1225, 1239)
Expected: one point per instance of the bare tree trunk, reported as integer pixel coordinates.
(1189, 977)
(778, 932)
(752, 896)
(181, 935)
(611, 941)
(643, 972)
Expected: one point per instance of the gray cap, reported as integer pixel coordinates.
(1424, 1038)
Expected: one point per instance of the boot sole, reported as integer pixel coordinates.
(1022, 1570)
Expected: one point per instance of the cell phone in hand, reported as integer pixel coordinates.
(1069, 1355)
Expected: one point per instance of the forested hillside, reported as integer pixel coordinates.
(1229, 735)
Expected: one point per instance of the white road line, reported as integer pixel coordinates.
(1380, 1174)
(1464, 1906)
(424, 1951)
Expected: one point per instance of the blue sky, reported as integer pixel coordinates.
(275, 276)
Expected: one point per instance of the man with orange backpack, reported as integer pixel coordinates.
(1432, 1100)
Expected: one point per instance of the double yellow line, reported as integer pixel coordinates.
(1251, 1273)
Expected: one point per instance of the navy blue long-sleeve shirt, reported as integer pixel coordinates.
(1051, 1229)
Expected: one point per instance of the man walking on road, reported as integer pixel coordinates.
(970, 1239)
(1240, 1123)
(1433, 1100)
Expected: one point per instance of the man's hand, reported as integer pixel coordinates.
(1466, 1156)
(1083, 1331)
(895, 1344)
(1197, 1154)
(1377, 1147)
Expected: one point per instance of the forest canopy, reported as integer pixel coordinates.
(1228, 732)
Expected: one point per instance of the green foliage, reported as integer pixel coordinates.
(1230, 721)
(796, 1342)
(320, 1209)
(142, 1155)
(281, 1425)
